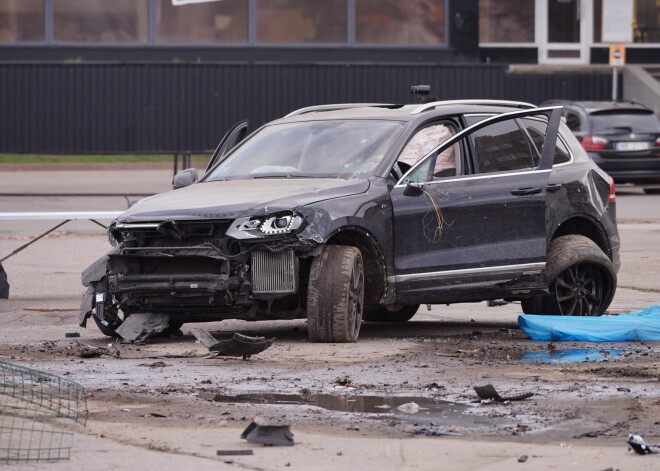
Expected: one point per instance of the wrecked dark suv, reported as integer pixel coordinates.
(345, 213)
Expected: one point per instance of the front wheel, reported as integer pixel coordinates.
(335, 295)
(582, 279)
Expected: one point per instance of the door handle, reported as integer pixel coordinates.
(553, 187)
(526, 191)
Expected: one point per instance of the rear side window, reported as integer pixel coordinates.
(624, 120)
(536, 128)
(501, 147)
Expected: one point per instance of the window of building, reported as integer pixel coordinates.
(646, 24)
(417, 22)
(21, 21)
(301, 21)
(506, 21)
(212, 22)
(100, 21)
(647, 21)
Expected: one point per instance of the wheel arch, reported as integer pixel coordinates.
(373, 259)
(589, 228)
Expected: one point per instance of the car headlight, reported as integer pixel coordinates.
(254, 228)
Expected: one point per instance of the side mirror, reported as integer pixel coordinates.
(184, 178)
(412, 189)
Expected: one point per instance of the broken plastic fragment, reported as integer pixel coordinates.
(488, 393)
(266, 434)
(637, 443)
(238, 346)
(140, 327)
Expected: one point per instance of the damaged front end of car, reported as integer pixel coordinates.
(200, 270)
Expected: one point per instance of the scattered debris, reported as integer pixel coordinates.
(440, 433)
(637, 443)
(70, 335)
(642, 325)
(157, 364)
(488, 393)
(409, 408)
(433, 387)
(140, 327)
(234, 452)
(623, 389)
(155, 415)
(259, 431)
(89, 351)
(523, 458)
(238, 346)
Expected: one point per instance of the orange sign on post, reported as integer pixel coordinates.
(617, 55)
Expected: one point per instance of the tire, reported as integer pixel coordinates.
(582, 280)
(652, 191)
(382, 314)
(108, 330)
(335, 295)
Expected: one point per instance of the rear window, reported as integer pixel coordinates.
(615, 120)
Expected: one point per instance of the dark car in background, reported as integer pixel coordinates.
(623, 138)
(345, 213)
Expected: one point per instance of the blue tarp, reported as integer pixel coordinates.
(642, 325)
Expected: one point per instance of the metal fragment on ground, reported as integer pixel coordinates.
(140, 327)
(234, 452)
(489, 393)
(637, 443)
(263, 433)
(238, 346)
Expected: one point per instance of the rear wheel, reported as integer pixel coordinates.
(383, 314)
(582, 279)
(335, 295)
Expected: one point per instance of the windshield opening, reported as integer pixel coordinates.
(314, 149)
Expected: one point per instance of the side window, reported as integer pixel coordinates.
(501, 147)
(446, 164)
(572, 120)
(536, 128)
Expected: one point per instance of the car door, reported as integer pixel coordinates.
(235, 135)
(455, 234)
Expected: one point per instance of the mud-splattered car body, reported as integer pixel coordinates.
(256, 246)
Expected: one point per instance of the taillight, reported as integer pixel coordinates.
(593, 143)
(612, 197)
(657, 142)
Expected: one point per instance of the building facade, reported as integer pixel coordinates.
(423, 31)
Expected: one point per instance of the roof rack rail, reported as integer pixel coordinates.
(337, 106)
(434, 104)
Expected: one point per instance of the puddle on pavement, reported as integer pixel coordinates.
(430, 411)
(574, 355)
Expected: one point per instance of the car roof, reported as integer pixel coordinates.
(416, 112)
(598, 106)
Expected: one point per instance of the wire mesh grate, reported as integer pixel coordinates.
(37, 410)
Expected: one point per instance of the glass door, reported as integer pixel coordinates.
(565, 29)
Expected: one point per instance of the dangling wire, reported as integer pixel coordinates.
(441, 222)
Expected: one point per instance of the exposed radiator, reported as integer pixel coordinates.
(274, 272)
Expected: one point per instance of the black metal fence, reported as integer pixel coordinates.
(88, 107)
